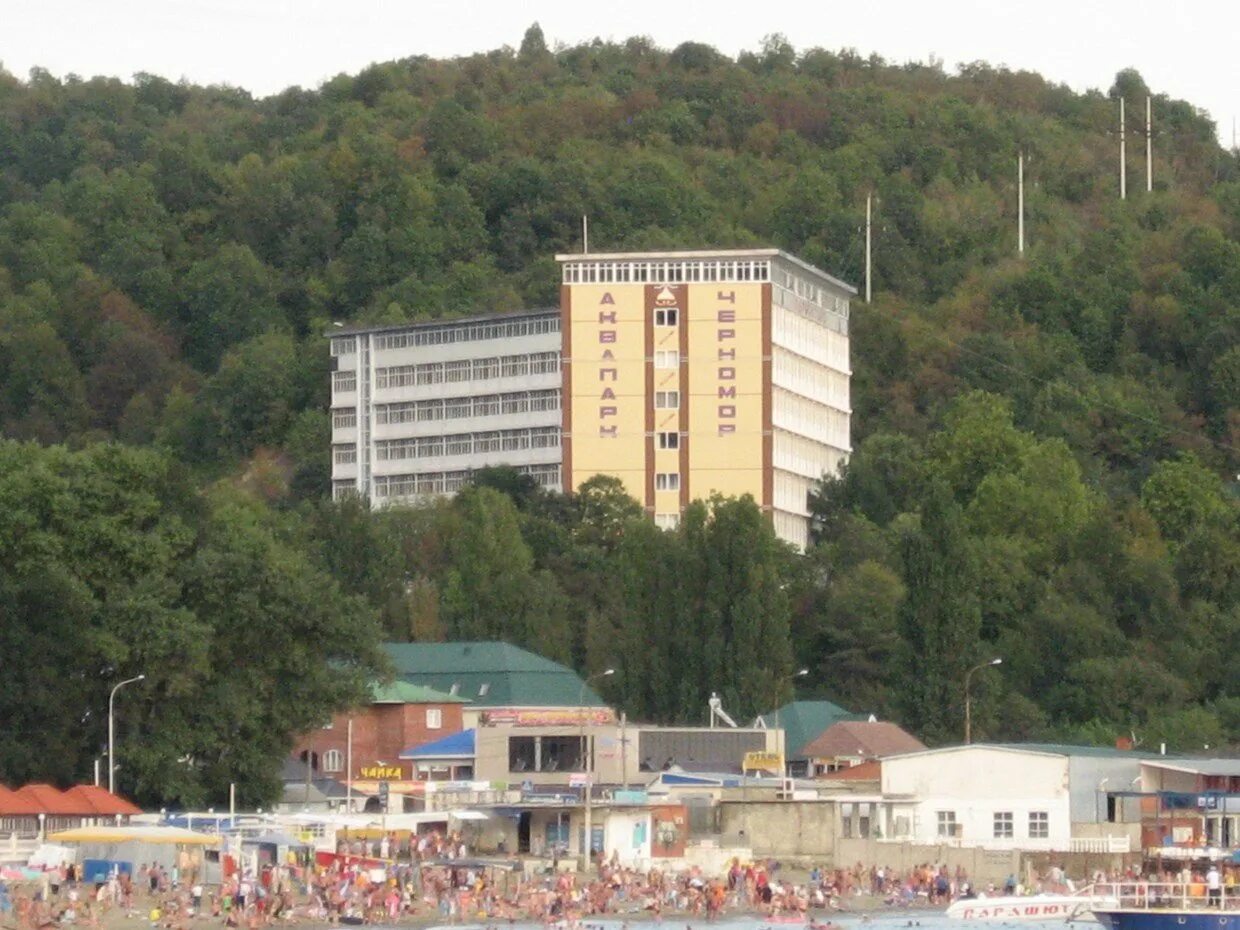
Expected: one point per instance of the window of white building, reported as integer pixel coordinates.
(947, 823)
(1039, 825)
(1003, 825)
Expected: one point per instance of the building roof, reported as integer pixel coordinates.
(704, 254)
(1218, 767)
(1067, 749)
(803, 721)
(293, 776)
(866, 771)
(402, 692)
(491, 674)
(79, 801)
(352, 329)
(457, 746)
(864, 739)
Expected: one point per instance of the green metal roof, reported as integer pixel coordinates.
(803, 721)
(402, 692)
(491, 674)
(1066, 749)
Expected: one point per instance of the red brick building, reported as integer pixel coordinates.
(399, 715)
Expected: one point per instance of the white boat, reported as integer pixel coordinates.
(1027, 907)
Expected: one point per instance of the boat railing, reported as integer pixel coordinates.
(1139, 895)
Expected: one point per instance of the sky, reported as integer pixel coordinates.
(1188, 49)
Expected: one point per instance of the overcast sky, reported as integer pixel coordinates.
(1189, 49)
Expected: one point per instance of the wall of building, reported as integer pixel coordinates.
(974, 784)
(756, 411)
(982, 866)
(426, 414)
(617, 751)
(1091, 778)
(782, 829)
(380, 733)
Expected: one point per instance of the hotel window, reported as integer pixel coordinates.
(669, 440)
(666, 317)
(344, 418)
(666, 359)
(667, 481)
(1003, 825)
(1039, 825)
(434, 718)
(947, 823)
(667, 400)
(333, 760)
(344, 381)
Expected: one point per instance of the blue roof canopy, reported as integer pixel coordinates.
(457, 746)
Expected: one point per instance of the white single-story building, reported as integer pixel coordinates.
(984, 796)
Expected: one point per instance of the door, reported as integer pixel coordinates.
(523, 832)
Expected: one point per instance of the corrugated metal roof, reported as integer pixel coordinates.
(402, 692)
(491, 674)
(79, 801)
(1220, 767)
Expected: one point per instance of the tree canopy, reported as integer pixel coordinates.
(1045, 448)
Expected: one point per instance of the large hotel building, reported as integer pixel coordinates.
(683, 374)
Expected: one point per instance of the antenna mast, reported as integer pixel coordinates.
(1123, 151)
(1020, 204)
(868, 265)
(1149, 146)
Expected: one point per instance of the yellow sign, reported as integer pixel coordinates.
(606, 403)
(382, 772)
(763, 762)
(729, 397)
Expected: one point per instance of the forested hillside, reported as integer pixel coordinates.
(1046, 447)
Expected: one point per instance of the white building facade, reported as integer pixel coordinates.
(979, 796)
(417, 408)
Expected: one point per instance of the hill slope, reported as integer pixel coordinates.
(1044, 444)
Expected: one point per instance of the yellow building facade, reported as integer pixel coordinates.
(689, 374)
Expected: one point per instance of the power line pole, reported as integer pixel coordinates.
(868, 265)
(1020, 204)
(1149, 146)
(1123, 155)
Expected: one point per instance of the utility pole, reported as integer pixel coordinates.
(868, 248)
(1020, 204)
(1123, 155)
(1149, 145)
(585, 234)
(588, 768)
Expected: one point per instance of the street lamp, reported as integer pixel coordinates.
(968, 699)
(581, 720)
(112, 730)
(792, 680)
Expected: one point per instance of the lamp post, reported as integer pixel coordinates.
(968, 698)
(112, 730)
(782, 742)
(586, 765)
